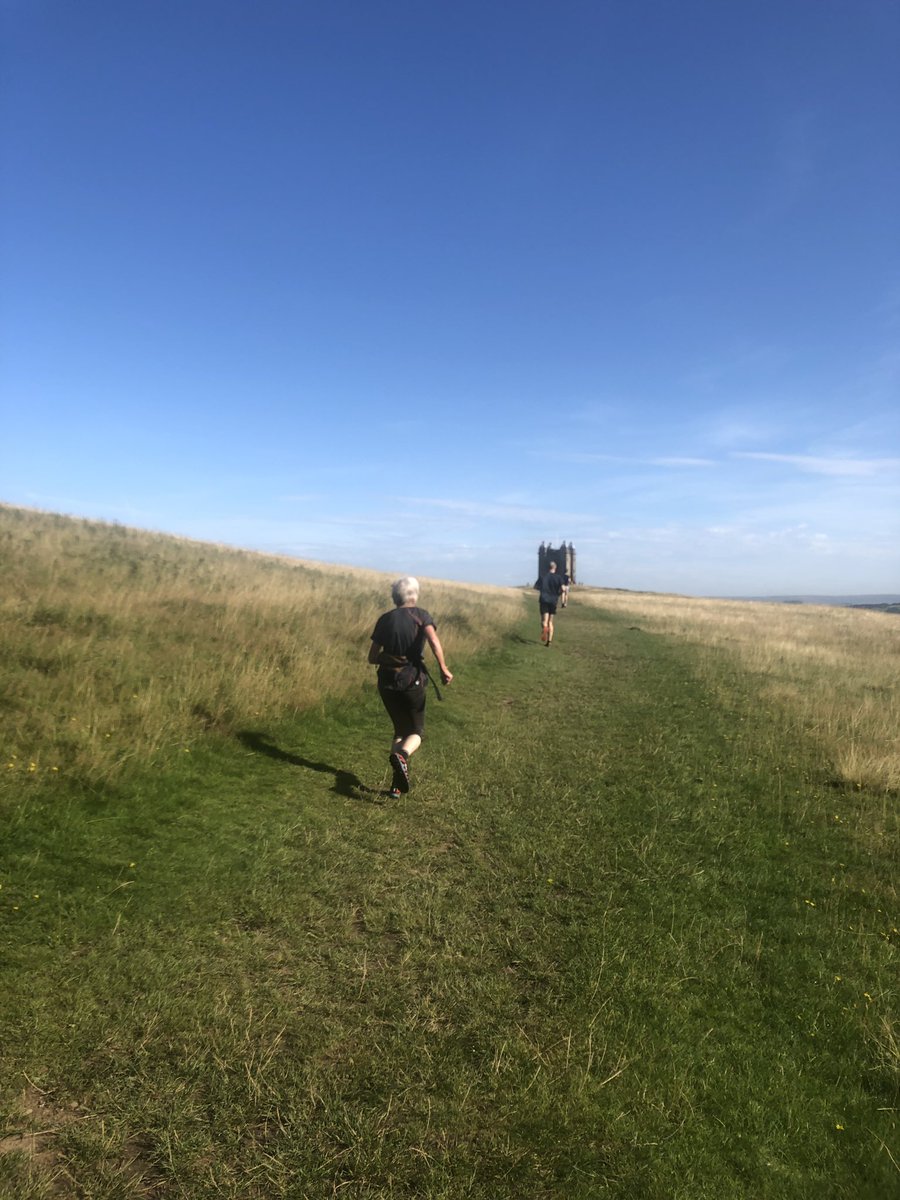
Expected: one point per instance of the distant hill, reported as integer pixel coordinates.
(888, 603)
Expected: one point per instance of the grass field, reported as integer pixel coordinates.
(631, 935)
(831, 672)
(123, 647)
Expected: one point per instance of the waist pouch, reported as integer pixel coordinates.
(399, 679)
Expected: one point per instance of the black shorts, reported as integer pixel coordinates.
(406, 709)
(548, 606)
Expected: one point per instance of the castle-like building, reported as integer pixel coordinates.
(564, 557)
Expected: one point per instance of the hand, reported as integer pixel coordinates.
(446, 677)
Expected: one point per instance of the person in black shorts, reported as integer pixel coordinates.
(398, 644)
(550, 587)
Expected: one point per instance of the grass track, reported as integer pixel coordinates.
(610, 946)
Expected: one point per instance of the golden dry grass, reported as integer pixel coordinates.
(119, 644)
(833, 671)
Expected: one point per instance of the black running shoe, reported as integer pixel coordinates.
(401, 770)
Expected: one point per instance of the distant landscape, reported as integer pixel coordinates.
(633, 933)
(888, 603)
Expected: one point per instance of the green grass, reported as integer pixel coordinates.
(120, 646)
(617, 942)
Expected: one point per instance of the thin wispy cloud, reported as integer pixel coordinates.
(731, 426)
(817, 465)
(740, 366)
(664, 460)
(679, 461)
(491, 511)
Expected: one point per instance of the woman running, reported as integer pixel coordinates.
(398, 644)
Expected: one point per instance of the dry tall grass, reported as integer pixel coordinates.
(119, 644)
(833, 671)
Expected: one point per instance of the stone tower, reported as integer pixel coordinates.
(564, 557)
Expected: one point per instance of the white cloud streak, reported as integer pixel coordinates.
(823, 465)
(487, 510)
(673, 461)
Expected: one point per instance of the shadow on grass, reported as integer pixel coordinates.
(345, 782)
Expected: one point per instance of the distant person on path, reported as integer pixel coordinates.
(565, 590)
(550, 587)
(398, 644)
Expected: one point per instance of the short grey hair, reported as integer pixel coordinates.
(405, 589)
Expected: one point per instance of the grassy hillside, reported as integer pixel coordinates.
(629, 936)
(830, 673)
(121, 646)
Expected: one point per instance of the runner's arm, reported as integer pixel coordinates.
(435, 643)
(374, 653)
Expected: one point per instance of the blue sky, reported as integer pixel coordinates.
(417, 286)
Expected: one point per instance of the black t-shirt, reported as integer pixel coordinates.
(550, 586)
(401, 632)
